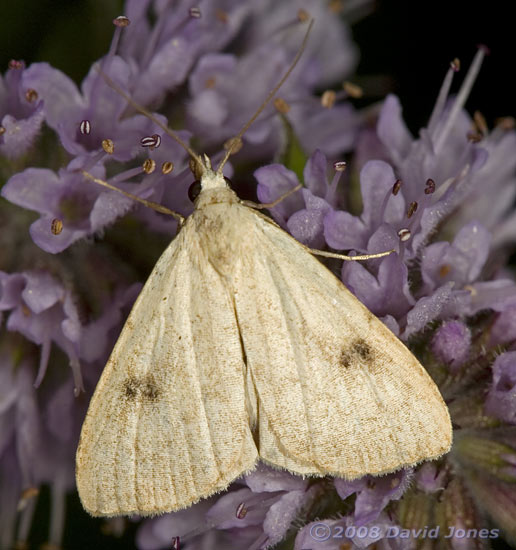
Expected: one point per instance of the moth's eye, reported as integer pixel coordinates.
(229, 182)
(194, 190)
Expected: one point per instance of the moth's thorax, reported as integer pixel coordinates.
(214, 191)
(221, 224)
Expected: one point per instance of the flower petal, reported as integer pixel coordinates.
(274, 181)
(392, 130)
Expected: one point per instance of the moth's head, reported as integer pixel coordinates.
(205, 177)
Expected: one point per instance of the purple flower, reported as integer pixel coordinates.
(157, 533)
(344, 231)
(319, 65)
(318, 535)
(457, 165)
(226, 91)
(257, 515)
(385, 294)
(460, 261)
(451, 343)
(21, 112)
(85, 120)
(82, 208)
(163, 54)
(503, 330)
(19, 416)
(332, 130)
(429, 478)
(20, 443)
(319, 197)
(501, 399)
(373, 494)
(44, 312)
(274, 181)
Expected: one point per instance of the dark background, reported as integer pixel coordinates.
(415, 41)
(411, 42)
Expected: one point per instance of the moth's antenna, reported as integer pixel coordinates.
(150, 116)
(272, 93)
(149, 204)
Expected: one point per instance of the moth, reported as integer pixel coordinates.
(244, 347)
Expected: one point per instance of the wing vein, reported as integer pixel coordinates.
(278, 277)
(381, 404)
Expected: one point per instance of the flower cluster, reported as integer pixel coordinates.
(69, 273)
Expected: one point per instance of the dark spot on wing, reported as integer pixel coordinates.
(358, 352)
(345, 359)
(130, 388)
(361, 348)
(150, 391)
(140, 389)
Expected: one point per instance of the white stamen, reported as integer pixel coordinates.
(441, 100)
(461, 98)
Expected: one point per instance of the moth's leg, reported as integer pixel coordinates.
(350, 258)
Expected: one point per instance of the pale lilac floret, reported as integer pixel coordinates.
(319, 66)
(460, 261)
(21, 112)
(163, 54)
(430, 479)
(65, 107)
(344, 231)
(225, 90)
(20, 438)
(274, 181)
(501, 399)
(38, 306)
(82, 208)
(220, 87)
(451, 343)
(503, 330)
(41, 310)
(306, 223)
(373, 494)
